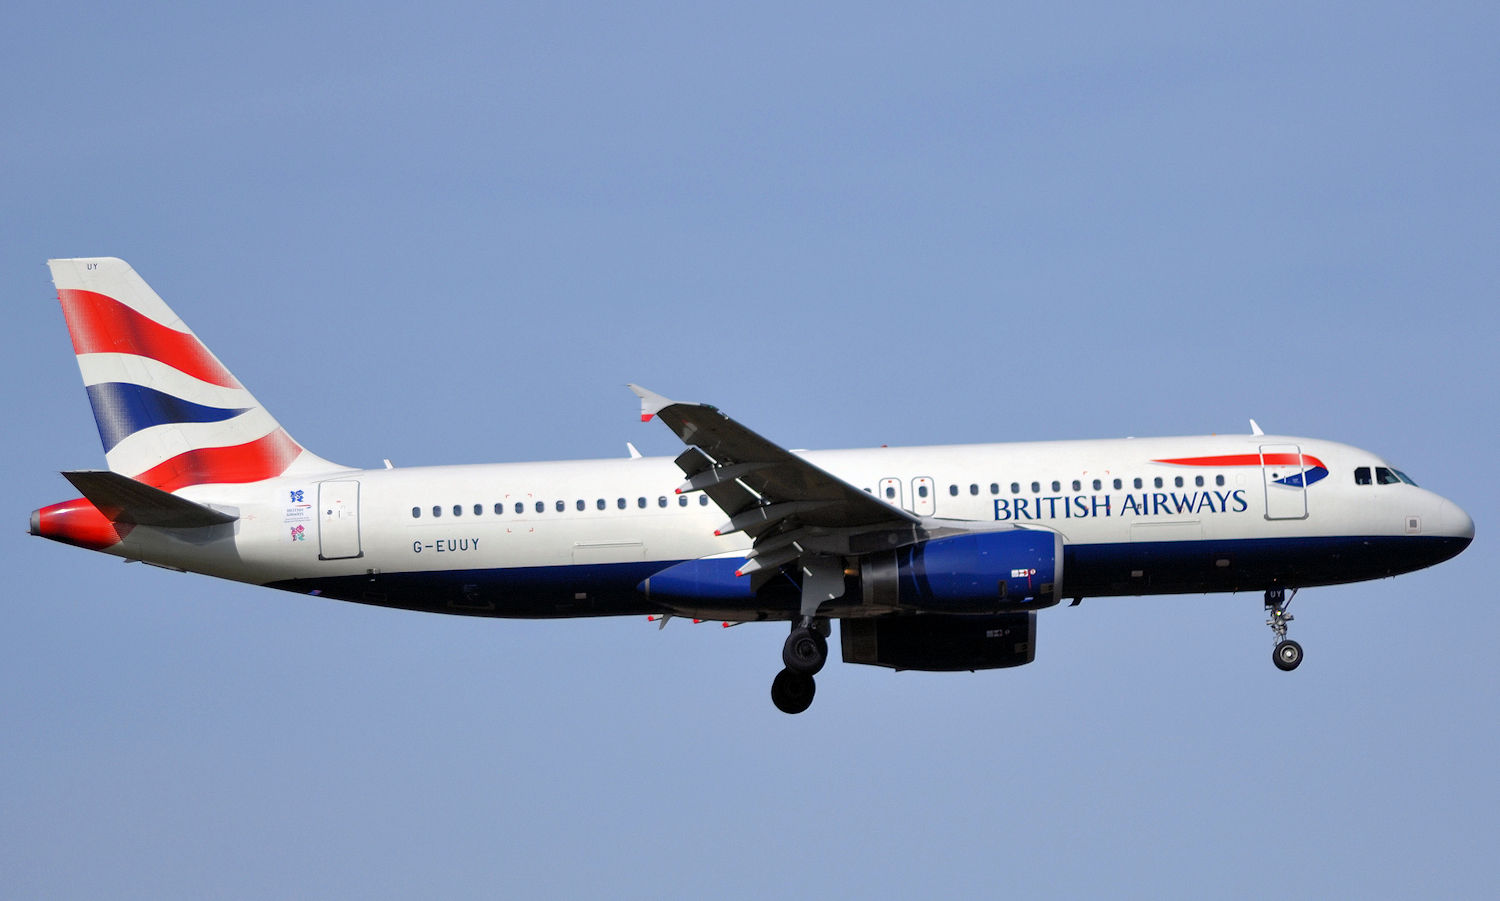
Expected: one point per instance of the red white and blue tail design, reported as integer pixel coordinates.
(169, 413)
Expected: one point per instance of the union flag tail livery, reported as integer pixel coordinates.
(169, 413)
(932, 558)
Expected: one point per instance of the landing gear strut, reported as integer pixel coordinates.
(805, 652)
(1287, 654)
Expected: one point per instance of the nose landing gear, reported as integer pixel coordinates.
(1287, 654)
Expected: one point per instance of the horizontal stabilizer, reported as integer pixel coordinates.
(123, 499)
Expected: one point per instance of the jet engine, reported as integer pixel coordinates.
(976, 572)
(939, 642)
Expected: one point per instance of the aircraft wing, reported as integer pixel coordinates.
(786, 504)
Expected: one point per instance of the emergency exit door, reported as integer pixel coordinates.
(338, 520)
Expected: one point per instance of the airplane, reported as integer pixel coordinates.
(933, 558)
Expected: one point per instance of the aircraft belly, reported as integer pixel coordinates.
(1220, 565)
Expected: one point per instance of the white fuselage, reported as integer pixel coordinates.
(576, 537)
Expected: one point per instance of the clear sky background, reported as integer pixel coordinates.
(451, 233)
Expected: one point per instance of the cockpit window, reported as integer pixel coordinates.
(1385, 476)
(1404, 477)
(1362, 475)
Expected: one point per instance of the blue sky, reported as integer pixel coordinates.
(452, 235)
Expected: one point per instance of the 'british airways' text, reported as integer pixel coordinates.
(1085, 506)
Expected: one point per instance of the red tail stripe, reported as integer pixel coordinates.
(80, 523)
(1247, 460)
(100, 324)
(264, 458)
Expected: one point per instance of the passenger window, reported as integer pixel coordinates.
(581, 505)
(599, 503)
(1362, 475)
(703, 500)
(437, 511)
(1219, 480)
(1198, 481)
(620, 503)
(890, 493)
(661, 501)
(541, 507)
(1036, 487)
(1056, 487)
(682, 500)
(1137, 483)
(953, 491)
(1177, 481)
(640, 502)
(973, 490)
(416, 512)
(479, 509)
(1157, 481)
(458, 510)
(921, 490)
(1077, 485)
(994, 488)
(1119, 484)
(1015, 487)
(1098, 484)
(499, 508)
(520, 507)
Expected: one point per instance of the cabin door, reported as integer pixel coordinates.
(1285, 475)
(338, 520)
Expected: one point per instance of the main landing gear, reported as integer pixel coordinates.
(1287, 654)
(805, 652)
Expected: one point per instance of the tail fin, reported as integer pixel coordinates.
(169, 413)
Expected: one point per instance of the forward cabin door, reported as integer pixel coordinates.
(338, 520)
(1285, 475)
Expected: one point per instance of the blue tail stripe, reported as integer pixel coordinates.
(121, 409)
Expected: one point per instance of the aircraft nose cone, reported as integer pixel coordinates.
(1459, 524)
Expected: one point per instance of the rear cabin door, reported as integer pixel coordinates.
(1285, 476)
(338, 520)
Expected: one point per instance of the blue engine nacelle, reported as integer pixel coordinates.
(977, 572)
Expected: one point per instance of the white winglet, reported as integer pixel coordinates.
(1255, 428)
(634, 454)
(651, 402)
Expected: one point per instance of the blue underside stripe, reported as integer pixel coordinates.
(1093, 570)
(121, 409)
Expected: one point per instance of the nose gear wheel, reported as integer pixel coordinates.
(1287, 655)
